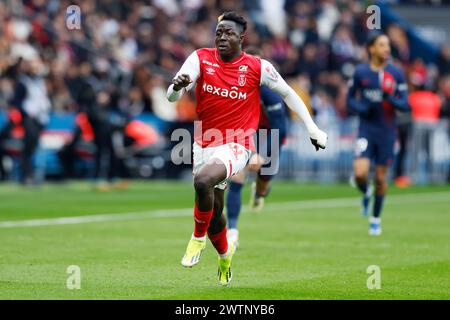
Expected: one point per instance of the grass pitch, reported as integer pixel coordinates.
(309, 243)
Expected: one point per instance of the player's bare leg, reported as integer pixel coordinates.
(262, 186)
(361, 167)
(204, 182)
(259, 187)
(260, 190)
(380, 191)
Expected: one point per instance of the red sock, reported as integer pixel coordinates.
(219, 241)
(201, 220)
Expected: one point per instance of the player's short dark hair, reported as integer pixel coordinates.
(373, 37)
(234, 16)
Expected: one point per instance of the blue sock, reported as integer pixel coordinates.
(378, 205)
(233, 204)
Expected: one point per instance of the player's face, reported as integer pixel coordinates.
(228, 38)
(381, 48)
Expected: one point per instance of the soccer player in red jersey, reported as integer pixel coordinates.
(228, 106)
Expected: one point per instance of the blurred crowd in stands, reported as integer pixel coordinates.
(133, 49)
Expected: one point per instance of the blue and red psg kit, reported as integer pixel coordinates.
(374, 96)
(273, 116)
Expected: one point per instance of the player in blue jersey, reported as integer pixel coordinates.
(376, 91)
(273, 121)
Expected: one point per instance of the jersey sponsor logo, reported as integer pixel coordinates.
(210, 63)
(223, 92)
(373, 95)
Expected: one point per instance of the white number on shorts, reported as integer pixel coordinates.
(361, 146)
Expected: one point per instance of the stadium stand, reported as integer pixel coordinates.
(135, 47)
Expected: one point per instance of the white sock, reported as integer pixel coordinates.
(199, 238)
(375, 220)
(223, 256)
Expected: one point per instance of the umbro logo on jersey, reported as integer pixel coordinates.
(210, 70)
(243, 68)
(210, 63)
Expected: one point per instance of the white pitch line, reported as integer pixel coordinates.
(97, 218)
(304, 204)
(355, 202)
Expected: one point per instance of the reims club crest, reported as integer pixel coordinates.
(241, 77)
(241, 80)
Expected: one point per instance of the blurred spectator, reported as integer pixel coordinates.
(308, 62)
(425, 107)
(443, 62)
(323, 108)
(343, 47)
(327, 19)
(444, 89)
(399, 44)
(401, 179)
(418, 79)
(302, 86)
(162, 107)
(31, 100)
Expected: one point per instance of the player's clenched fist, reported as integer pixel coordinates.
(318, 139)
(180, 82)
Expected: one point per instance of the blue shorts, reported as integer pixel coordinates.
(381, 151)
(269, 148)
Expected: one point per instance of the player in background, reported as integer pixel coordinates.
(228, 92)
(273, 117)
(377, 89)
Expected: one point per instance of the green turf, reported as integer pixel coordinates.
(293, 250)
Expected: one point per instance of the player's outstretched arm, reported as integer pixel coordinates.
(185, 78)
(272, 79)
